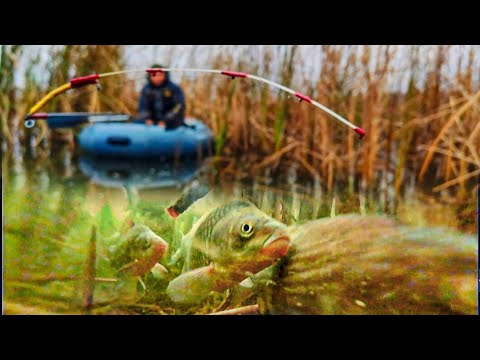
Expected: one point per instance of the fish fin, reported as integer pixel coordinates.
(128, 266)
(176, 257)
(139, 278)
(249, 287)
(159, 271)
(194, 286)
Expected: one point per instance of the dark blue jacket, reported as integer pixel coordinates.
(162, 103)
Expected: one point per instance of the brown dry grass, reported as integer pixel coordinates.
(430, 132)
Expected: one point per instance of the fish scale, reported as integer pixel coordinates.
(370, 265)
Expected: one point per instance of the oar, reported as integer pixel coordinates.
(66, 120)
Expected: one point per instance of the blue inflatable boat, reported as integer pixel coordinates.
(140, 140)
(110, 134)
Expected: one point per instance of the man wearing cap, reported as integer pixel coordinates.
(161, 101)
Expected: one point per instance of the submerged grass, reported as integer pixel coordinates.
(54, 263)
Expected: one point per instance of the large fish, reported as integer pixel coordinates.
(354, 264)
(224, 247)
(349, 264)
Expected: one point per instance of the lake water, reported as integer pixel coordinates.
(51, 200)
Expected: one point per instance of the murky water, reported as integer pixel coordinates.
(52, 198)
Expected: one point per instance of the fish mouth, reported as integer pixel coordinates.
(276, 246)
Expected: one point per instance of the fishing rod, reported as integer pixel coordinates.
(94, 80)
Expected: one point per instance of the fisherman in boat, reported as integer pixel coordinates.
(161, 102)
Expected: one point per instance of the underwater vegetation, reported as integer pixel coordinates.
(62, 257)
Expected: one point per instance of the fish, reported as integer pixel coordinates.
(138, 251)
(224, 247)
(354, 264)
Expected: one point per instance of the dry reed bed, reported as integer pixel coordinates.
(429, 132)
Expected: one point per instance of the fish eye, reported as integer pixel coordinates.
(246, 229)
(144, 243)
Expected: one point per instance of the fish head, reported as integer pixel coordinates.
(138, 251)
(248, 238)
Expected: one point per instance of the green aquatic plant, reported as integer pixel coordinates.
(48, 231)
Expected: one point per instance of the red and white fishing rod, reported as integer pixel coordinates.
(300, 96)
(93, 79)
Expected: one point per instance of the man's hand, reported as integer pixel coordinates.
(149, 122)
(161, 123)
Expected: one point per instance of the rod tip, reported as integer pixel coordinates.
(171, 211)
(361, 133)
